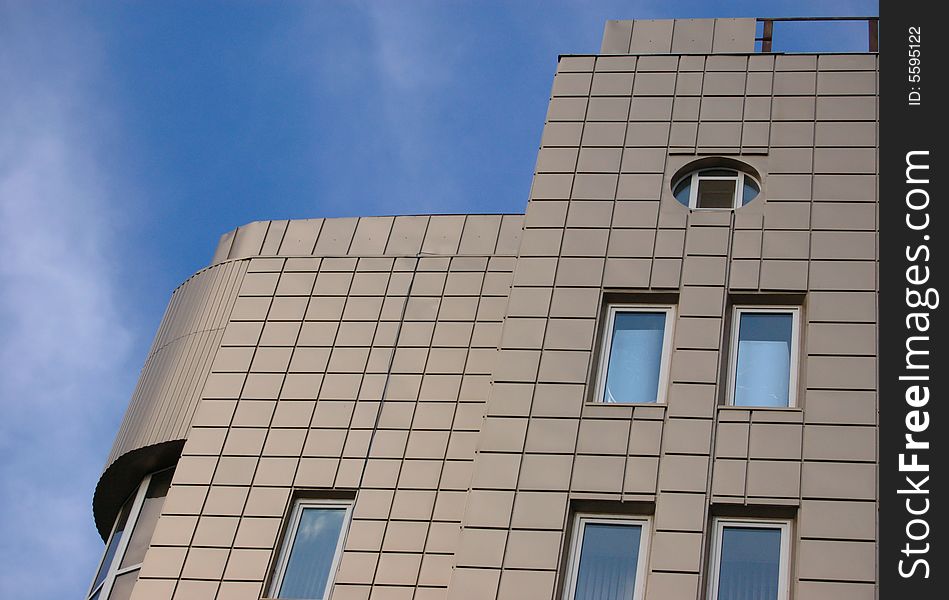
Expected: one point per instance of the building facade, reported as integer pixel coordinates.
(658, 383)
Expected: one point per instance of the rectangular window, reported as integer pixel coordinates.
(634, 358)
(750, 560)
(716, 193)
(764, 357)
(607, 559)
(311, 550)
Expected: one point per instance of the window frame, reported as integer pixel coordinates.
(290, 535)
(580, 521)
(606, 347)
(737, 311)
(104, 589)
(696, 176)
(784, 558)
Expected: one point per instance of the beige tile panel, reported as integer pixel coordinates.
(841, 338)
(651, 36)
(474, 584)
(837, 520)
(604, 437)
(847, 62)
(775, 441)
(676, 551)
(788, 215)
(774, 479)
(571, 84)
(831, 590)
(566, 134)
(728, 477)
(840, 443)
(691, 400)
(680, 512)
(687, 436)
(731, 440)
(672, 586)
(540, 472)
(579, 64)
(694, 35)
(840, 406)
(845, 481)
(526, 585)
(616, 63)
(845, 134)
(533, 549)
(683, 473)
(590, 214)
(835, 560)
(846, 108)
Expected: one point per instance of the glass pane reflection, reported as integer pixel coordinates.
(609, 555)
(147, 519)
(114, 541)
(749, 191)
(635, 357)
(750, 563)
(763, 369)
(311, 557)
(683, 191)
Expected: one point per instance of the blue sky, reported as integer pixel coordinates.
(133, 134)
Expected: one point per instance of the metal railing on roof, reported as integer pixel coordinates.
(767, 33)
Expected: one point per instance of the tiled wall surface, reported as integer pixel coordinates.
(470, 235)
(311, 349)
(439, 369)
(602, 218)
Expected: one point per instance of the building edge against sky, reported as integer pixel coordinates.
(660, 379)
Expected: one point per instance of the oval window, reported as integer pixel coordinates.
(716, 189)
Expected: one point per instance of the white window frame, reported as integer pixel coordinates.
(580, 521)
(696, 176)
(784, 564)
(105, 588)
(286, 547)
(607, 345)
(795, 312)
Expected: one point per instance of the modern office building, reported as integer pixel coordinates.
(657, 383)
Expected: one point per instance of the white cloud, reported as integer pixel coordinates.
(417, 59)
(64, 350)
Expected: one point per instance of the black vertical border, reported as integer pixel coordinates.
(905, 128)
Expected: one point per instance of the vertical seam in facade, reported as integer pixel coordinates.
(408, 433)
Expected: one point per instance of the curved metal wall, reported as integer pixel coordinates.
(179, 360)
(171, 381)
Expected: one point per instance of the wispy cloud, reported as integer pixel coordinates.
(417, 60)
(63, 346)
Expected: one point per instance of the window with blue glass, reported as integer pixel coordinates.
(764, 357)
(607, 559)
(311, 550)
(750, 560)
(634, 356)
